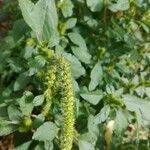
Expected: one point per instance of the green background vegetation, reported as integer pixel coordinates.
(107, 44)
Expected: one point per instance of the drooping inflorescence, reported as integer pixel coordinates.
(50, 81)
(67, 104)
(58, 76)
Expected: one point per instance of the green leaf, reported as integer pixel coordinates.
(38, 121)
(66, 7)
(46, 132)
(92, 125)
(8, 90)
(22, 80)
(92, 97)
(6, 128)
(96, 76)
(102, 115)
(76, 67)
(85, 145)
(80, 51)
(28, 51)
(36, 64)
(14, 113)
(71, 23)
(138, 105)
(121, 5)
(48, 145)
(26, 103)
(87, 141)
(120, 125)
(95, 5)
(19, 29)
(50, 32)
(147, 91)
(38, 100)
(34, 15)
(82, 54)
(24, 146)
(16, 64)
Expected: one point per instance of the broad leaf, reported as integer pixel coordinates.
(87, 141)
(34, 15)
(6, 128)
(36, 64)
(80, 50)
(71, 23)
(38, 100)
(24, 146)
(102, 115)
(95, 5)
(96, 76)
(14, 113)
(92, 97)
(26, 104)
(46, 132)
(120, 125)
(19, 29)
(77, 69)
(121, 5)
(66, 7)
(22, 80)
(50, 33)
(136, 104)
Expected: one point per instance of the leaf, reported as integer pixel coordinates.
(21, 81)
(34, 15)
(85, 145)
(26, 103)
(8, 90)
(50, 32)
(38, 121)
(48, 145)
(121, 5)
(102, 115)
(24, 146)
(77, 39)
(138, 105)
(81, 49)
(147, 91)
(46, 132)
(19, 29)
(28, 51)
(71, 23)
(92, 97)
(36, 64)
(82, 54)
(66, 7)
(76, 67)
(16, 64)
(6, 128)
(96, 76)
(120, 125)
(38, 100)
(87, 141)
(92, 126)
(95, 5)
(14, 113)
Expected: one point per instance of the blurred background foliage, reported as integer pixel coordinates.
(107, 43)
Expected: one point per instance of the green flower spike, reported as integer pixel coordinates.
(67, 104)
(50, 85)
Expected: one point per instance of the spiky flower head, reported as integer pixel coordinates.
(67, 104)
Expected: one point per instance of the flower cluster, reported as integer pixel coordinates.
(58, 78)
(67, 104)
